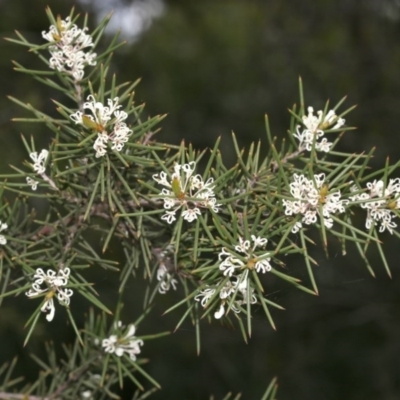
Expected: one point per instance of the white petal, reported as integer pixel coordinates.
(218, 314)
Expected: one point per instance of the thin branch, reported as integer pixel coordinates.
(19, 396)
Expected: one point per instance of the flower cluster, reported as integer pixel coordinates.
(126, 343)
(311, 196)
(39, 161)
(55, 283)
(315, 125)
(236, 266)
(66, 49)
(380, 203)
(232, 261)
(165, 269)
(3, 240)
(165, 278)
(107, 121)
(238, 287)
(187, 191)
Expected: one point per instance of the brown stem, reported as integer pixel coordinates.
(72, 378)
(274, 164)
(19, 396)
(49, 180)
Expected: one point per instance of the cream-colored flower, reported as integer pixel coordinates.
(123, 343)
(108, 121)
(54, 285)
(315, 127)
(3, 227)
(186, 191)
(68, 48)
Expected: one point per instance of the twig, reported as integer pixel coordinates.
(19, 396)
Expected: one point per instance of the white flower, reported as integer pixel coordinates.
(258, 241)
(165, 270)
(32, 183)
(315, 125)
(3, 240)
(165, 278)
(169, 216)
(100, 144)
(220, 313)
(107, 121)
(48, 307)
(87, 394)
(205, 295)
(126, 343)
(380, 203)
(39, 161)
(232, 261)
(54, 283)
(309, 197)
(320, 123)
(67, 48)
(238, 286)
(324, 145)
(186, 191)
(296, 227)
(191, 214)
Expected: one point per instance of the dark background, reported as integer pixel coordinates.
(216, 66)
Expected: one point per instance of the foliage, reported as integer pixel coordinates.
(106, 196)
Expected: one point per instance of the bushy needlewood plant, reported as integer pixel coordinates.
(181, 218)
